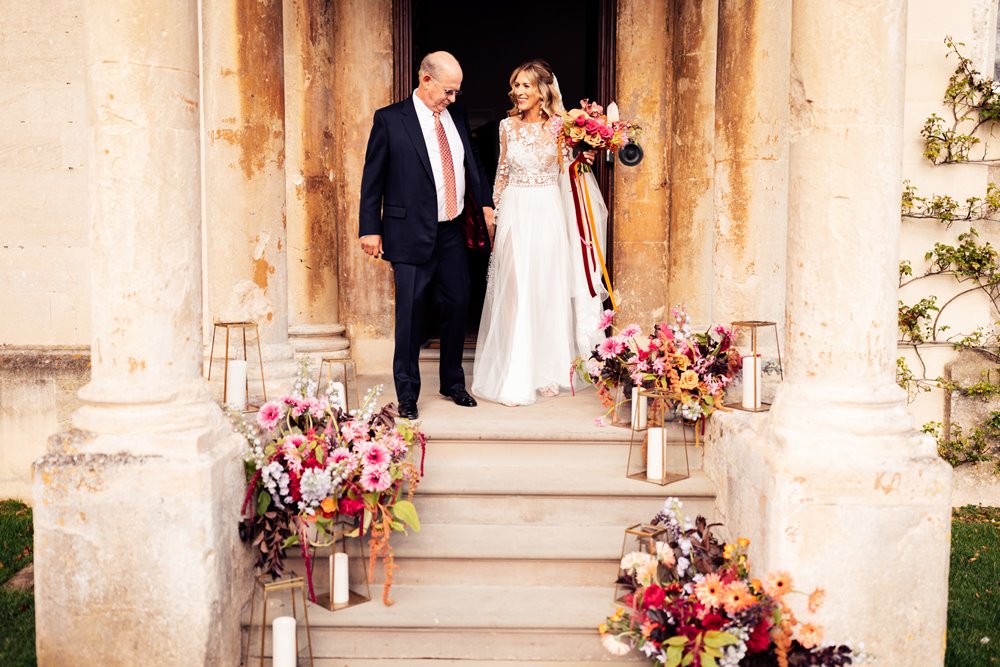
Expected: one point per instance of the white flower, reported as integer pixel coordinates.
(315, 485)
(615, 645)
(636, 559)
(682, 566)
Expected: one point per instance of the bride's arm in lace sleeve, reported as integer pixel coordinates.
(503, 169)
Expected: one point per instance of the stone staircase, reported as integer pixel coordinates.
(522, 513)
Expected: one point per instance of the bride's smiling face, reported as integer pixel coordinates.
(526, 95)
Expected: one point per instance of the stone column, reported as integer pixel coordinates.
(642, 194)
(692, 163)
(859, 501)
(751, 149)
(245, 176)
(310, 168)
(362, 83)
(136, 551)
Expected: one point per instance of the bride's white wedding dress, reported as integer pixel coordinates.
(538, 315)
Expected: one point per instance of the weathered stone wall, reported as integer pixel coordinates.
(362, 82)
(311, 162)
(927, 70)
(692, 164)
(37, 396)
(642, 194)
(43, 175)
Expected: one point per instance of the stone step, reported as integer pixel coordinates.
(502, 623)
(562, 452)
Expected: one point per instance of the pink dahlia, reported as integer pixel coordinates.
(631, 331)
(269, 415)
(341, 454)
(606, 348)
(375, 479)
(354, 431)
(605, 320)
(375, 455)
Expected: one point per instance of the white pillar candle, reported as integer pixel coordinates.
(341, 582)
(751, 382)
(337, 394)
(236, 384)
(638, 409)
(654, 453)
(283, 651)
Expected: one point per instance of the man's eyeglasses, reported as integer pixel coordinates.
(448, 92)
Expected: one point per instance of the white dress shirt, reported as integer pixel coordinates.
(426, 118)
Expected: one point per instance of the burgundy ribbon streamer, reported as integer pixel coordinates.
(583, 230)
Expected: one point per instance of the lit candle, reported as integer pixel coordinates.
(751, 382)
(638, 410)
(612, 113)
(236, 384)
(283, 652)
(340, 581)
(654, 453)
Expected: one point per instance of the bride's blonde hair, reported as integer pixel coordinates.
(540, 75)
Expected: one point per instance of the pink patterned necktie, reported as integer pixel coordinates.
(448, 167)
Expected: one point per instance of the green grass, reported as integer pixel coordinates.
(974, 588)
(17, 609)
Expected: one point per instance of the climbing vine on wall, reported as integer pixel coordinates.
(972, 102)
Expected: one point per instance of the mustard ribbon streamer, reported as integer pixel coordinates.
(600, 253)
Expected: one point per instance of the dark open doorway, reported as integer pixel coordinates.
(490, 40)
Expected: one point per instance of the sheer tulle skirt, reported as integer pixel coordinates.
(526, 334)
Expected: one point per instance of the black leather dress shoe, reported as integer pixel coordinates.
(461, 397)
(408, 409)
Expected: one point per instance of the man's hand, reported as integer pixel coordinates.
(491, 226)
(372, 245)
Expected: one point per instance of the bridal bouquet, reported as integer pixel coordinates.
(692, 601)
(590, 128)
(691, 368)
(310, 462)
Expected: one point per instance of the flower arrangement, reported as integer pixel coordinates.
(692, 602)
(692, 369)
(309, 463)
(590, 128)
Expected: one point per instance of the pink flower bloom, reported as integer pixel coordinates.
(375, 479)
(631, 331)
(591, 126)
(353, 431)
(396, 444)
(316, 407)
(594, 367)
(375, 455)
(605, 132)
(606, 318)
(269, 415)
(659, 367)
(606, 349)
(299, 408)
(599, 422)
(581, 120)
(341, 454)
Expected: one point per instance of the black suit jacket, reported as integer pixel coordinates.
(398, 197)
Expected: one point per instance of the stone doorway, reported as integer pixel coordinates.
(490, 40)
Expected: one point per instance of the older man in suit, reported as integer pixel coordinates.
(420, 175)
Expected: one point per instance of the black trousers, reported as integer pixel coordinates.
(447, 272)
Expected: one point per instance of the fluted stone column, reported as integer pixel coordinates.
(362, 83)
(137, 559)
(751, 148)
(692, 163)
(859, 502)
(642, 194)
(245, 176)
(311, 167)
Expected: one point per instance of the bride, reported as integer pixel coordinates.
(538, 315)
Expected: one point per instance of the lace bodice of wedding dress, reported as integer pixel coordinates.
(529, 155)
